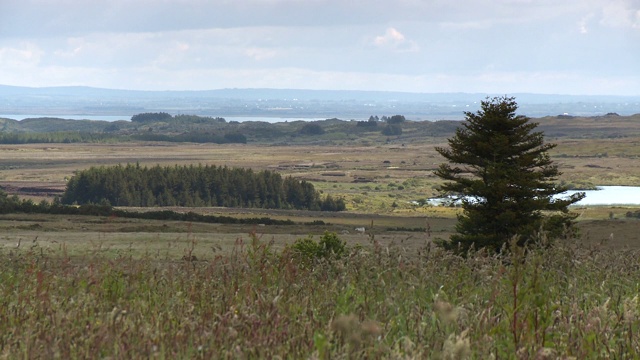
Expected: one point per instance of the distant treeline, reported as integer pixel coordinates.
(166, 117)
(12, 205)
(164, 127)
(54, 137)
(133, 185)
(195, 137)
(66, 137)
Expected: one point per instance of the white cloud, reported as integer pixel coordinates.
(583, 24)
(391, 37)
(23, 56)
(395, 40)
(462, 45)
(259, 54)
(621, 13)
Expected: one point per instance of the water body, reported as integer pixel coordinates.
(609, 195)
(128, 117)
(605, 195)
(268, 119)
(69, 117)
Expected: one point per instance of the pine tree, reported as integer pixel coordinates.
(500, 170)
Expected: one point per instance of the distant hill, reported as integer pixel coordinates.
(161, 127)
(78, 100)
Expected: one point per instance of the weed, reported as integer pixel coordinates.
(375, 301)
(330, 246)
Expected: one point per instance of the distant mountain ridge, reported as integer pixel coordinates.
(69, 100)
(306, 94)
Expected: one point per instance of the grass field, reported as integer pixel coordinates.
(96, 287)
(256, 300)
(372, 177)
(394, 176)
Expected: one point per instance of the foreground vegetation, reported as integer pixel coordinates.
(374, 301)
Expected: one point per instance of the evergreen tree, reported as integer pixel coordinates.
(501, 171)
(133, 185)
(392, 130)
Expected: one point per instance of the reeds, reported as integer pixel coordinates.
(563, 301)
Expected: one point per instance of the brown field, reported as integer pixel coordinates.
(371, 178)
(604, 161)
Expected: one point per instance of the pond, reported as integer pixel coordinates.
(609, 195)
(605, 195)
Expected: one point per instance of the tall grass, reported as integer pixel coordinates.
(375, 302)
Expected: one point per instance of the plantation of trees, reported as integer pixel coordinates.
(133, 185)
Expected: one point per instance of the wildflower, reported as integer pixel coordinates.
(347, 327)
(351, 330)
(631, 307)
(546, 354)
(457, 347)
(371, 328)
(446, 312)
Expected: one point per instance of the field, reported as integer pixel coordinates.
(81, 286)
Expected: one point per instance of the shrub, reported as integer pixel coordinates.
(329, 246)
(311, 129)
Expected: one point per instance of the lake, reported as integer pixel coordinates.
(610, 195)
(128, 117)
(605, 195)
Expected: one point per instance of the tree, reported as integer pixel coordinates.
(396, 119)
(500, 170)
(311, 128)
(392, 130)
(151, 117)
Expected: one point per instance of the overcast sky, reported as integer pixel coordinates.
(488, 46)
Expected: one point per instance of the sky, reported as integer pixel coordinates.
(578, 47)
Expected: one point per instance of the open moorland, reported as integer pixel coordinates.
(87, 286)
(380, 183)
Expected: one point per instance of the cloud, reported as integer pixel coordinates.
(391, 37)
(464, 45)
(259, 54)
(22, 56)
(396, 41)
(583, 24)
(621, 13)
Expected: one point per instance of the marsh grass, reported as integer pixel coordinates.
(376, 302)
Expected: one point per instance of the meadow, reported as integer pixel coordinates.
(96, 287)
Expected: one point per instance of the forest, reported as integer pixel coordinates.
(194, 186)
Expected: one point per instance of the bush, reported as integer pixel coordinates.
(329, 246)
(312, 129)
(392, 130)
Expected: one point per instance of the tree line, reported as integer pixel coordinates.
(194, 186)
(13, 204)
(393, 127)
(67, 137)
(195, 137)
(59, 137)
(166, 117)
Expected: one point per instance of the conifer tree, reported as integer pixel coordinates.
(500, 170)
